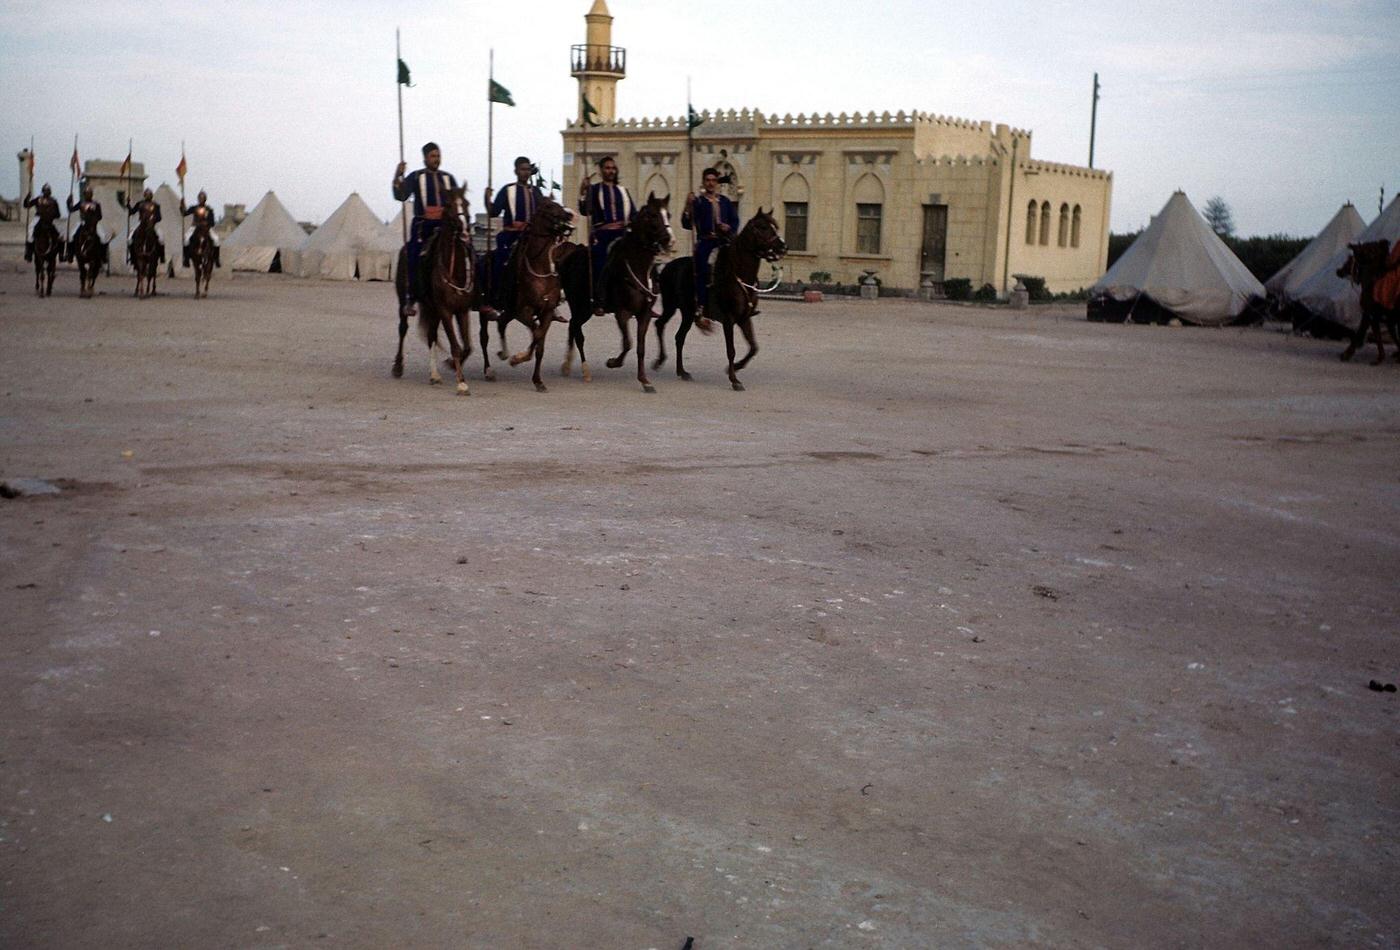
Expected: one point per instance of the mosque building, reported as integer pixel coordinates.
(917, 198)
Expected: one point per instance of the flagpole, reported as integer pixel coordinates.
(31, 188)
(490, 154)
(129, 150)
(184, 168)
(72, 181)
(588, 185)
(398, 58)
(690, 153)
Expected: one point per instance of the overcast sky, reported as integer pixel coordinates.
(1286, 108)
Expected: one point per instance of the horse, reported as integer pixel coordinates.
(90, 254)
(202, 252)
(1377, 270)
(534, 289)
(733, 292)
(145, 258)
(47, 245)
(629, 287)
(447, 278)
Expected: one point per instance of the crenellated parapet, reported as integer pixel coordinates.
(813, 120)
(1055, 168)
(956, 160)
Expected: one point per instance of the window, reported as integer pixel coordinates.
(795, 225)
(1074, 231)
(868, 228)
(1032, 221)
(1064, 225)
(1045, 223)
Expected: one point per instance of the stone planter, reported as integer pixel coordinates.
(811, 296)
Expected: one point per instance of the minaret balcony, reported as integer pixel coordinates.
(590, 60)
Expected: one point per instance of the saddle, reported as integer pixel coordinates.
(1386, 291)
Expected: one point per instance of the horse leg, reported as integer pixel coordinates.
(1378, 326)
(430, 319)
(660, 360)
(687, 318)
(1358, 339)
(576, 334)
(747, 327)
(729, 350)
(501, 325)
(623, 326)
(529, 351)
(457, 356)
(542, 321)
(643, 327)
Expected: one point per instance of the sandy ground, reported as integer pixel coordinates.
(960, 627)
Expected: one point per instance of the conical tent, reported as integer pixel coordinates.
(333, 252)
(1336, 300)
(1345, 225)
(268, 231)
(1178, 268)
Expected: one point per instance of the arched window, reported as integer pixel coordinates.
(870, 210)
(1032, 217)
(1064, 225)
(657, 185)
(1074, 228)
(796, 207)
(1045, 223)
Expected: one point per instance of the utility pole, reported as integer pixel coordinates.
(1094, 120)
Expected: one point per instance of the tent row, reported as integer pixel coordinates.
(352, 243)
(1180, 269)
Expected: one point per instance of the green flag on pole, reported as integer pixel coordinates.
(693, 121)
(403, 75)
(500, 94)
(590, 114)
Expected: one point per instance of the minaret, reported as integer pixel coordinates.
(598, 65)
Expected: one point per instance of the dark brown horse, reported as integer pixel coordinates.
(629, 289)
(90, 254)
(447, 276)
(202, 254)
(145, 258)
(534, 290)
(1377, 270)
(47, 244)
(733, 291)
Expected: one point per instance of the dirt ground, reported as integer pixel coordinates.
(960, 627)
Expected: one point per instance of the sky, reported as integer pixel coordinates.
(1286, 109)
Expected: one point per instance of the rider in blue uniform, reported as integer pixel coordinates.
(429, 187)
(610, 210)
(514, 204)
(715, 220)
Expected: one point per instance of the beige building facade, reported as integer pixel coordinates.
(915, 197)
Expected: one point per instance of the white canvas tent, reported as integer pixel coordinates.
(269, 230)
(1345, 225)
(172, 232)
(380, 258)
(333, 252)
(1336, 300)
(1178, 267)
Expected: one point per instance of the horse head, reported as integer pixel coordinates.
(652, 226)
(551, 220)
(762, 237)
(456, 212)
(1366, 262)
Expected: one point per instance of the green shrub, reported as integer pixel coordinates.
(820, 277)
(1036, 287)
(957, 288)
(985, 294)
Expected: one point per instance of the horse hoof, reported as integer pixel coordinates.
(738, 386)
(587, 376)
(490, 375)
(614, 363)
(659, 362)
(684, 375)
(648, 388)
(541, 388)
(519, 358)
(502, 354)
(1346, 357)
(462, 390)
(434, 381)
(398, 371)
(566, 370)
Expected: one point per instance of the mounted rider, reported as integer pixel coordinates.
(149, 210)
(46, 212)
(715, 220)
(201, 216)
(90, 212)
(610, 209)
(515, 204)
(429, 186)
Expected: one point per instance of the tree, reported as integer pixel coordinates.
(1219, 217)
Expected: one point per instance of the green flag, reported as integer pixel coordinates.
(500, 94)
(589, 113)
(693, 121)
(403, 75)
(555, 186)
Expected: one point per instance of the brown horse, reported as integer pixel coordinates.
(733, 291)
(145, 258)
(202, 254)
(1377, 270)
(47, 244)
(447, 275)
(535, 290)
(629, 288)
(90, 253)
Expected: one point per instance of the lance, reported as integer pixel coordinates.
(72, 181)
(490, 156)
(30, 193)
(398, 58)
(588, 196)
(129, 144)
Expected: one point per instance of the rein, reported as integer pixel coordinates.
(549, 253)
(457, 241)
